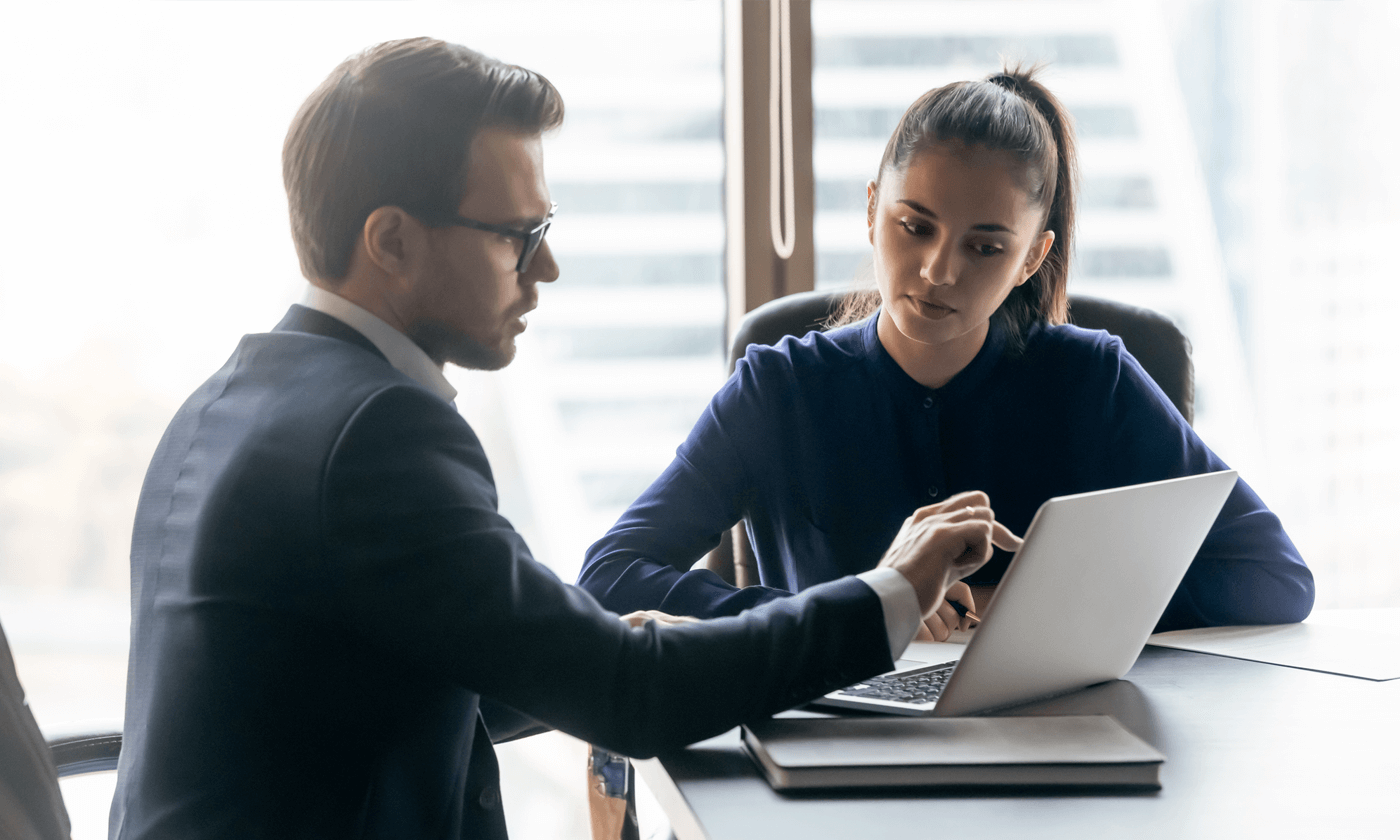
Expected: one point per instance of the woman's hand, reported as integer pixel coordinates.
(945, 618)
(637, 619)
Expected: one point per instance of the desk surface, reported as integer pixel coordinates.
(1253, 750)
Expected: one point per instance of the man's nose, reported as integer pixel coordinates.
(543, 268)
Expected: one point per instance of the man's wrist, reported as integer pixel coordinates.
(903, 613)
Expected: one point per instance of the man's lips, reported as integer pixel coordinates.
(518, 316)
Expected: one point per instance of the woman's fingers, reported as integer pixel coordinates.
(943, 622)
(936, 628)
(641, 617)
(961, 593)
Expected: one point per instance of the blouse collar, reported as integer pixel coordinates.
(966, 380)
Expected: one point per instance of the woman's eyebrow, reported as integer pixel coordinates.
(917, 207)
(986, 227)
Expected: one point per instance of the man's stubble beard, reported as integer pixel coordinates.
(444, 344)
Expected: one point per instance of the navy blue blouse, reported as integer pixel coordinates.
(824, 445)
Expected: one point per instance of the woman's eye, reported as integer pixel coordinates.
(914, 227)
(985, 250)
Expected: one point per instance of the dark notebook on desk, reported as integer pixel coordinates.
(952, 753)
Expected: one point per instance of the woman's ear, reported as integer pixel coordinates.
(872, 198)
(1040, 249)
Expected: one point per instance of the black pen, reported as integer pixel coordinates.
(962, 610)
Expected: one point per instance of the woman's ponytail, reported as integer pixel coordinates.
(1053, 275)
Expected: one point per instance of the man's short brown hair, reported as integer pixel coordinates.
(391, 127)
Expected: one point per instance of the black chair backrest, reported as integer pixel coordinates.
(1153, 340)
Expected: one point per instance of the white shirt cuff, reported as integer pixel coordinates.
(901, 605)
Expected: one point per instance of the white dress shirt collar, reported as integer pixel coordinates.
(406, 357)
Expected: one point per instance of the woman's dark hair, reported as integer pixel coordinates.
(391, 127)
(1006, 112)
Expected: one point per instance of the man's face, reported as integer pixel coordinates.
(471, 302)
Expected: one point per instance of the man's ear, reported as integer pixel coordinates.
(394, 241)
(872, 198)
(1040, 249)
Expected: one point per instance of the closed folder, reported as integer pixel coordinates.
(988, 752)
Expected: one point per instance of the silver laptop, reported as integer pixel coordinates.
(1075, 606)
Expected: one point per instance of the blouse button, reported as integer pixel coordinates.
(490, 798)
(928, 402)
(933, 492)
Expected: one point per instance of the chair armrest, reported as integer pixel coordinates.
(85, 752)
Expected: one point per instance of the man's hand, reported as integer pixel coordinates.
(943, 543)
(637, 619)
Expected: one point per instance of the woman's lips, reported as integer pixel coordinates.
(932, 309)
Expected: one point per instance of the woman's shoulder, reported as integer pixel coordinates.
(1088, 365)
(1066, 344)
(827, 352)
(1068, 338)
(1066, 359)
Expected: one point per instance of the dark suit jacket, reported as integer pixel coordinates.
(324, 597)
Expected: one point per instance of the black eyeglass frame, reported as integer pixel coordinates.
(532, 237)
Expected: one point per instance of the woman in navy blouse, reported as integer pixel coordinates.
(960, 375)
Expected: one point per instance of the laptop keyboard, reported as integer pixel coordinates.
(919, 685)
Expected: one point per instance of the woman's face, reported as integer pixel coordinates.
(954, 233)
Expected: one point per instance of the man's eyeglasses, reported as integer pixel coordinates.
(532, 237)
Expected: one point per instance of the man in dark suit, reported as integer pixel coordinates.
(331, 621)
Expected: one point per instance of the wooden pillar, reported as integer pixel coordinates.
(754, 271)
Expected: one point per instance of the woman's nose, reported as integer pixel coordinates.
(938, 265)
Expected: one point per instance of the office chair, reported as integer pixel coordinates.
(85, 752)
(1153, 340)
(31, 805)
